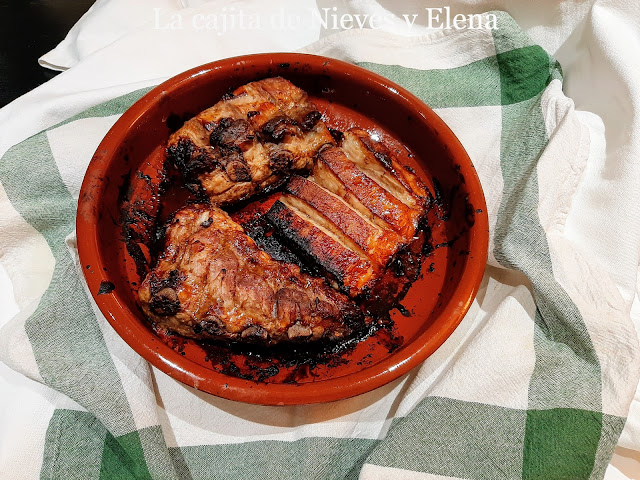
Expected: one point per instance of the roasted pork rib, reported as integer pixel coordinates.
(357, 216)
(350, 215)
(213, 282)
(249, 143)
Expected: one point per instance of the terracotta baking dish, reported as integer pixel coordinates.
(347, 95)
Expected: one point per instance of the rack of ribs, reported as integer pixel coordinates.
(358, 217)
(250, 142)
(347, 215)
(213, 282)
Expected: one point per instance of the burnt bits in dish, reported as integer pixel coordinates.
(213, 282)
(344, 214)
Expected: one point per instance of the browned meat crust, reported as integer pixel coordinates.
(358, 216)
(317, 239)
(377, 243)
(213, 282)
(372, 196)
(356, 222)
(249, 143)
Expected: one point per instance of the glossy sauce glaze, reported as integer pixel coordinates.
(156, 191)
(116, 254)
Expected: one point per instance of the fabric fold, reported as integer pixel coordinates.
(535, 383)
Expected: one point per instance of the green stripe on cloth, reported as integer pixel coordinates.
(509, 35)
(569, 434)
(524, 73)
(321, 458)
(561, 443)
(451, 437)
(73, 446)
(115, 106)
(61, 340)
(472, 85)
(611, 430)
(161, 463)
(567, 370)
(123, 458)
(566, 362)
(78, 446)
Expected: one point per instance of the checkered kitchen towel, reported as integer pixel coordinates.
(535, 383)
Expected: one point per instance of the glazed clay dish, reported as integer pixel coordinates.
(126, 185)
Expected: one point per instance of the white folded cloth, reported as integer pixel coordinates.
(587, 185)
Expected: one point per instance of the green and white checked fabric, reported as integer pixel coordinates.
(534, 384)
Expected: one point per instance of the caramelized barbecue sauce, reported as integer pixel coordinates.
(287, 363)
(151, 195)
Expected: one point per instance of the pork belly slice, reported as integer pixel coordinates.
(213, 282)
(250, 142)
(346, 177)
(379, 244)
(357, 219)
(316, 239)
(382, 165)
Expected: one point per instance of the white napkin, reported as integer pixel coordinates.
(118, 47)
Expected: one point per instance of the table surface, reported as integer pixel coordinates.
(28, 30)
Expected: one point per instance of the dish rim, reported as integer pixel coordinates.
(140, 337)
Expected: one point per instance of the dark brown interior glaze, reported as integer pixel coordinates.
(347, 96)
